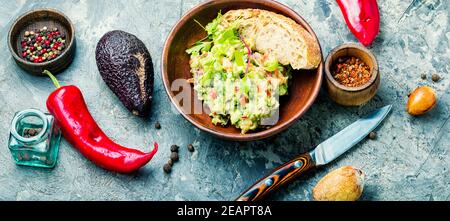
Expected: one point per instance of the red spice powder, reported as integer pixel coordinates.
(351, 72)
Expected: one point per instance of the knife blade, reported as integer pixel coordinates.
(324, 153)
(345, 139)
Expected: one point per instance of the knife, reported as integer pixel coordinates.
(324, 153)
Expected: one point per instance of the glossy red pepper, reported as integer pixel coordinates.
(78, 127)
(362, 17)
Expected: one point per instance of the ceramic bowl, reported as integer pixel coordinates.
(304, 87)
(37, 19)
(352, 96)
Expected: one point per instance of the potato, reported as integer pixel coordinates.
(421, 100)
(343, 184)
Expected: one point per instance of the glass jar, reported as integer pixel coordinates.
(34, 139)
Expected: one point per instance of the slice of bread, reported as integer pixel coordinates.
(268, 32)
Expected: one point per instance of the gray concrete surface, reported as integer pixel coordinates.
(410, 160)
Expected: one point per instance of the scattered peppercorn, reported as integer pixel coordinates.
(373, 135)
(435, 77)
(351, 72)
(191, 148)
(157, 125)
(174, 148)
(167, 168)
(42, 45)
(174, 156)
(170, 162)
(423, 76)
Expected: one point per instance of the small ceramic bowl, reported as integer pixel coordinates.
(37, 19)
(175, 66)
(351, 96)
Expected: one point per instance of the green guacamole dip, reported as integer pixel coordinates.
(239, 85)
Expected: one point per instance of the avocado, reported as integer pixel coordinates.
(126, 67)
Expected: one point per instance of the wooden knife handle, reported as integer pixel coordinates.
(278, 177)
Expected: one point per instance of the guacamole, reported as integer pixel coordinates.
(239, 85)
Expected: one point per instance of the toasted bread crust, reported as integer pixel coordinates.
(269, 32)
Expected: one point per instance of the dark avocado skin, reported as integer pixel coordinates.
(126, 67)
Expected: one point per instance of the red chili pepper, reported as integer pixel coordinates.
(78, 127)
(362, 17)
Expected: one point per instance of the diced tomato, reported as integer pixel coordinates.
(213, 94)
(277, 72)
(265, 57)
(243, 100)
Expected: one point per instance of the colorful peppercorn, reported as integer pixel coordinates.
(42, 44)
(435, 77)
(174, 156)
(167, 168)
(174, 148)
(191, 148)
(423, 76)
(373, 135)
(157, 125)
